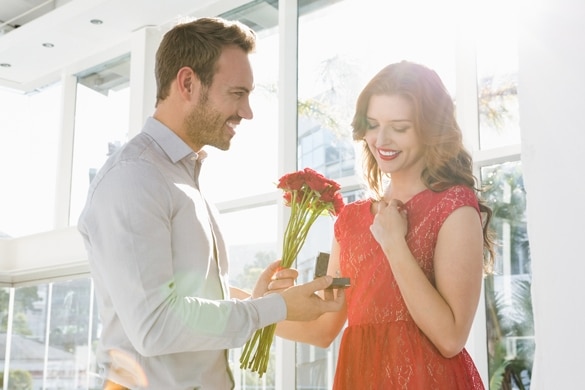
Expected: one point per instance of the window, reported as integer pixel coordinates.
(28, 160)
(242, 181)
(101, 124)
(53, 326)
(497, 70)
(510, 323)
(252, 235)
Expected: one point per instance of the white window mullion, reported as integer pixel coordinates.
(65, 154)
(49, 305)
(287, 146)
(11, 293)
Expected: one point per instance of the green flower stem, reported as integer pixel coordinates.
(248, 350)
(304, 212)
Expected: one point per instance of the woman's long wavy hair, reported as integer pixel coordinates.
(447, 162)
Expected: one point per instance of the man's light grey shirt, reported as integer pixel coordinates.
(161, 283)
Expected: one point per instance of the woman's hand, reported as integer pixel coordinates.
(390, 223)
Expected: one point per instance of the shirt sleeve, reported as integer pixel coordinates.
(128, 229)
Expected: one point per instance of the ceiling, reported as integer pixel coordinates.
(15, 13)
(27, 27)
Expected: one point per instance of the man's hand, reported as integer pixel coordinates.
(274, 279)
(302, 304)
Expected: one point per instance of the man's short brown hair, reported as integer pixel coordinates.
(198, 45)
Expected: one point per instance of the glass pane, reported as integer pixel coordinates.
(249, 166)
(30, 136)
(27, 352)
(326, 151)
(250, 250)
(68, 352)
(335, 64)
(510, 323)
(52, 326)
(497, 72)
(101, 124)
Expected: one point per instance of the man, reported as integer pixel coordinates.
(157, 255)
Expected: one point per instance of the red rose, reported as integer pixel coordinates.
(315, 180)
(292, 181)
(287, 196)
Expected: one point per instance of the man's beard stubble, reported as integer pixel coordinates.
(205, 126)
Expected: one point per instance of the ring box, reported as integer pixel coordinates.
(321, 270)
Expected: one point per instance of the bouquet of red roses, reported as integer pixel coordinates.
(309, 195)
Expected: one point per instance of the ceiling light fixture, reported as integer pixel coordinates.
(96, 21)
(5, 65)
(48, 44)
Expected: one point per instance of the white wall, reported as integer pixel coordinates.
(552, 118)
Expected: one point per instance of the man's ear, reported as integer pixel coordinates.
(187, 83)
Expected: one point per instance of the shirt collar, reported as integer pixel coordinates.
(174, 147)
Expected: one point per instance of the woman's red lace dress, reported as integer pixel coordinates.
(382, 348)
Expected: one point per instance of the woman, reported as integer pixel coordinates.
(414, 252)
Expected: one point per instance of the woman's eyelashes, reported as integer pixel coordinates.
(372, 126)
(400, 129)
(396, 128)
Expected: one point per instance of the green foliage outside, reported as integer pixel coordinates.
(27, 296)
(510, 322)
(18, 380)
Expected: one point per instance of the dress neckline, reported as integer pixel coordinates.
(372, 200)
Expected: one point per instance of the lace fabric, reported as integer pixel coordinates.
(382, 348)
